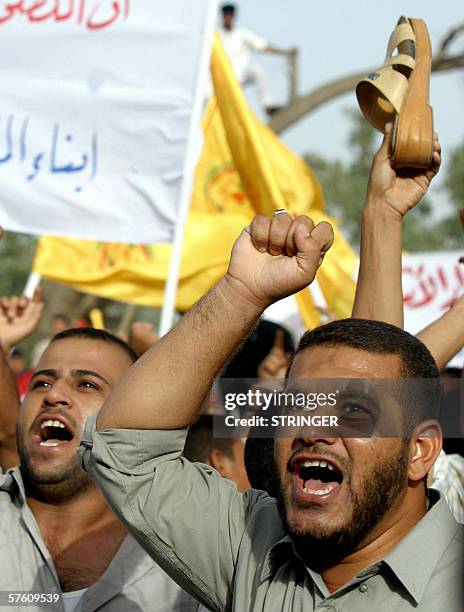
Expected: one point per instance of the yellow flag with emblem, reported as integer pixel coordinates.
(275, 178)
(243, 169)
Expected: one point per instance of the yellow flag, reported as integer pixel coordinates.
(274, 178)
(243, 169)
(137, 274)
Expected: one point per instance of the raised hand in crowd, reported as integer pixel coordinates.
(274, 258)
(19, 317)
(445, 336)
(399, 190)
(271, 259)
(9, 410)
(390, 195)
(275, 364)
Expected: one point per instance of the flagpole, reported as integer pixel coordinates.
(170, 291)
(318, 296)
(31, 285)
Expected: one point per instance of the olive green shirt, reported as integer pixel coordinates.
(132, 581)
(230, 550)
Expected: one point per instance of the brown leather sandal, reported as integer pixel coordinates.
(398, 92)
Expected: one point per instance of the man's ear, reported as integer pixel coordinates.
(426, 444)
(219, 461)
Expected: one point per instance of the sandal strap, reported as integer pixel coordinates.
(401, 60)
(382, 93)
(399, 35)
(392, 85)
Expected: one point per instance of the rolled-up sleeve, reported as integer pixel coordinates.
(185, 515)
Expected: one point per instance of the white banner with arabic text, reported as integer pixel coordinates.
(100, 113)
(431, 283)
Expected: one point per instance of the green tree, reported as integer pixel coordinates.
(16, 256)
(454, 182)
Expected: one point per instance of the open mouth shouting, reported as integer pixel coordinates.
(52, 432)
(316, 480)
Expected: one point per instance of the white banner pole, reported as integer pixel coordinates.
(169, 303)
(32, 283)
(317, 295)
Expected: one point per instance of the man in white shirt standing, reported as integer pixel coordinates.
(239, 45)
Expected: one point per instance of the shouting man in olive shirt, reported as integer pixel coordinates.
(373, 538)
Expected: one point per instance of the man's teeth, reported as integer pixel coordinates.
(47, 443)
(318, 491)
(52, 423)
(322, 464)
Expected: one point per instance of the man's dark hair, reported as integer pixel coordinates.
(260, 464)
(201, 441)
(375, 337)
(228, 9)
(90, 333)
(422, 400)
(451, 372)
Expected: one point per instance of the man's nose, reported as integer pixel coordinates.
(58, 395)
(310, 437)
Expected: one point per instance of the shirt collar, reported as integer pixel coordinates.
(12, 482)
(128, 564)
(414, 558)
(280, 552)
(283, 551)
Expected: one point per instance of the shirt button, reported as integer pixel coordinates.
(363, 588)
(328, 609)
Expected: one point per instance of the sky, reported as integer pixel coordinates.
(339, 37)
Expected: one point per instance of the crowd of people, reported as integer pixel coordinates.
(119, 493)
(116, 494)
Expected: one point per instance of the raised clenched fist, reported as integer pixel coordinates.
(274, 258)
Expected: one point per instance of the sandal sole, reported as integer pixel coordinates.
(413, 129)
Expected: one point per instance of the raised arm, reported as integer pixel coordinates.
(166, 387)
(9, 410)
(19, 318)
(445, 336)
(281, 51)
(390, 195)
(193, 522)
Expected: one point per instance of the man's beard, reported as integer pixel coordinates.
(378, 492)
(54, 485)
